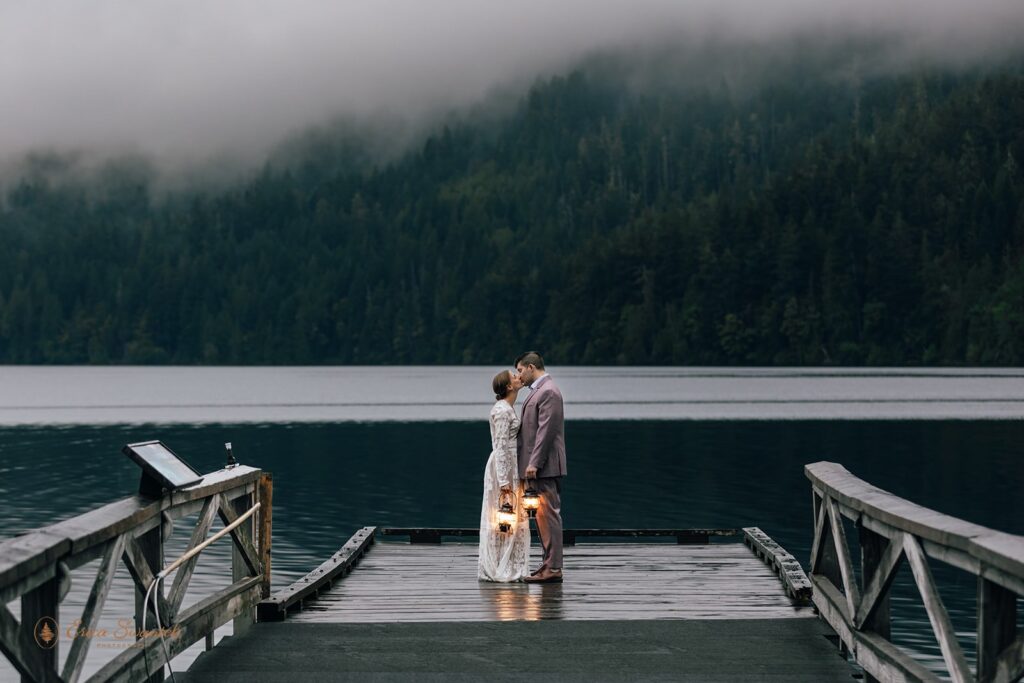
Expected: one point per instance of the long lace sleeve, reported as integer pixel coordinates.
(505, 447)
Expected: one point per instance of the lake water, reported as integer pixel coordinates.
(647, 447)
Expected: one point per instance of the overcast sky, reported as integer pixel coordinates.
(180, 78)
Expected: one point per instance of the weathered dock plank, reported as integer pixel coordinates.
(790, 650)
(650, 611)
(275, 608)
(403, 582)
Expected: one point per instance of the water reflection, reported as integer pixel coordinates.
(510, 601)
(521, 601)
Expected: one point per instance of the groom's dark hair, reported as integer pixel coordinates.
(530, 358)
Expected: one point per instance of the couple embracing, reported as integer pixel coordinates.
(530, 448)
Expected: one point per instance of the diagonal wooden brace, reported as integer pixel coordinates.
(242, 543)
(184, 573)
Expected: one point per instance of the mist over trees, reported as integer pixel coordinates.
(807, 221)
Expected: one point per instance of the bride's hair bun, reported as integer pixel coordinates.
(499, 385)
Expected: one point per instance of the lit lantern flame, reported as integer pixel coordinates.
(531, 500)
(506, 513)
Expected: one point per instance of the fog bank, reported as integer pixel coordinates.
(182, 82)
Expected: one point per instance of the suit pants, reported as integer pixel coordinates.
(549, 521)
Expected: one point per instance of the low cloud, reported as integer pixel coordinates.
(182, 81)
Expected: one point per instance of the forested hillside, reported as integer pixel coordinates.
(805, 221)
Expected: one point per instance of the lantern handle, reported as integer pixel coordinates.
(507, 495)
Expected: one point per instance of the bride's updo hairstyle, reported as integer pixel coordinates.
(500, 384)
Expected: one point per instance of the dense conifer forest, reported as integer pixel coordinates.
(800, 221)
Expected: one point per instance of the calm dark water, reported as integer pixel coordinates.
(330, 479)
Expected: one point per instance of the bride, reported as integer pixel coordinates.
(504, 555)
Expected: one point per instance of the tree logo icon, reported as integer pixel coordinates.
(46, 633)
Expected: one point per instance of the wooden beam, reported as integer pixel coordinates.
(784, 564)
(1009, 668)
(815, 507)
(997, 625)
(819, 532)
(36, 605)
(972, 565)
(244, 561)
(242, 539)
(183, 575)
(20, 648)
(145, 555)
(1011, 583)
(878, 657)
(103, 523)
(185, 509)
(952, 652)
(831, 605)
(880, 528)
(93, 608)
(1000, 550)
(276, 607)
(843, 555)
(879, 572)
(265, 497)
(97, 527)
(141, 568)
(883, 661)
(23, 556)
(222, 481)
(148, 659)
(19, 587)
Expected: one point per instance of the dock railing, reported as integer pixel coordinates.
(36, 567)
(893, 531)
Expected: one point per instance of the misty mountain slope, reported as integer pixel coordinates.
(802, 221)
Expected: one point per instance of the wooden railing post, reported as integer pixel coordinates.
(266, 499)
(828, 563)
(36, 606)
(239, 567)
(997, 624)
(872, 546)
(152, 547)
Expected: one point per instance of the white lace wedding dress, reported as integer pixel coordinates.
(504, 556)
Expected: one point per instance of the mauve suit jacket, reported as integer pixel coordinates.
(541, 440)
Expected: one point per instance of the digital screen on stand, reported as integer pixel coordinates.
(163, 463)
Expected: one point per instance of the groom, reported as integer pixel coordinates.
(541, 455)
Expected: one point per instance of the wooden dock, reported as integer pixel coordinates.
(405, 604)
(689, 609)
(408, 583)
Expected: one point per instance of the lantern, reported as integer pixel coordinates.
(531, 500)
(506, 513)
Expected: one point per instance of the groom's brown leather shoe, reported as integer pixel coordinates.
(546, 576)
